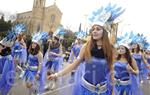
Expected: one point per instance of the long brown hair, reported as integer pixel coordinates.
(106, 46)
(19, 37)
(34, 51)
(127, 56)
(137, 50)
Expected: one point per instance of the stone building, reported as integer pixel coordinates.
(41, 18)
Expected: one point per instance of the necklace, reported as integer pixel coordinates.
(99, 46)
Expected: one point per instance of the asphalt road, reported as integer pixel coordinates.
(63, 87)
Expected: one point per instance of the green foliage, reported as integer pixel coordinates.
(4, 26)
(69, 39)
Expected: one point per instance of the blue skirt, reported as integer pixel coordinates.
(29, 76)
(85, 91)
(135, 85)
(124, 89)
(77, 78)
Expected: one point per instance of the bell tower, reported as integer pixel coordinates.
(37, 15)
(39, 3)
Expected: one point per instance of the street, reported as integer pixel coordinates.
(63, 87)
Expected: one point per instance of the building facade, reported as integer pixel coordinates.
(41, 18)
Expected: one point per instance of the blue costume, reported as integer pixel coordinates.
(7, 74)
(123, 80)
(126, 83)
(95, 80)
(148, 60)
(76, 49)
(32, 68)
(80, 69)
(140, 64)
(53, 61)
(31, 71)
(19, 53)
(138, 58)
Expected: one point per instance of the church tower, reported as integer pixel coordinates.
(38, 15)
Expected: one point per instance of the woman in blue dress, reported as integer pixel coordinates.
(140, 60)
(97, 56)
(147, 55)
(123, 67)
(19, 50)
(19, 53)
(75, 49)
(53, 58)
(79, 71)
(33, 74)
(7, 68)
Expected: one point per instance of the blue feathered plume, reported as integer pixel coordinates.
(19, 28)
(60, 31)
(112, 9)
(132, 38)
(81, 34)
(40, 36)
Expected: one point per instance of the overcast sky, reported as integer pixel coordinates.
(136, 16)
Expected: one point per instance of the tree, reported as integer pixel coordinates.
(69, 38)
(4, 26)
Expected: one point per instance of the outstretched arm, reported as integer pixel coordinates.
(145, 62)
(70, 67)
(134, 68)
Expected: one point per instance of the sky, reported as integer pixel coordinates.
(136, 16)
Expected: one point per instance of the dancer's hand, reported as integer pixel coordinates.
(37, 76)
(129, 68)
(148, 66)
(52, 76)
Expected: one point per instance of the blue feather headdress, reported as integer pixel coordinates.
(106, 15)
(9, 39)
(131, 38)
(141, 40)
(124, 40)
(40, 36)
(19, 28)
(81, 34)
(60, 32)
(12, 34)
(148, 47)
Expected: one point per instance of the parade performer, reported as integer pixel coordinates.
(140, 60)
(53, 58)
(123, 66)
(97, 57)
(19, 49)
(7, 68)
(147, 52)
(76, 79)
(33, 74)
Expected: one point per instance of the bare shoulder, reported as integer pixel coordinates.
(83, 48)
(82, 51)
(133, 60)
(40, 54)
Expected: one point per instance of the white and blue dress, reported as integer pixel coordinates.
(79, 70)
(53, 62)
(148, 71)
(31, 71)
(7, 74)
(19, 53)
(95, 79)
(123, 79)
(141, 66)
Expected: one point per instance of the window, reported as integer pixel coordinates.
(52, 20)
